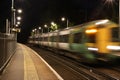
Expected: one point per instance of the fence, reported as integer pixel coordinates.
(7, 48)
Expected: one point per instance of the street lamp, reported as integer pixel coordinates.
(18, 23)
(35, 31)
(46, 27)
(39, 28)
(13, 16)
(52, 23)
(64, 19)
(19, 10)
(19, 18)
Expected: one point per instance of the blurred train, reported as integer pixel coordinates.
(92, 41)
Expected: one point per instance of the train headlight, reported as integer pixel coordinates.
(91, 31)
(92, 49)
(110, 47)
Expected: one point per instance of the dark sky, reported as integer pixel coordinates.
(39, 12)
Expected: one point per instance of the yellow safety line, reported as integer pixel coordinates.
(30, 72)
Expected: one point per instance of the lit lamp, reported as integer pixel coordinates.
(64, 19)
(19, 11)
(19, 18)
(46, 27)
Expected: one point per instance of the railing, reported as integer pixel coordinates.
(7, 48)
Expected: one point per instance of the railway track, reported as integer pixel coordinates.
(116, 69)
(81, 71)
(92, 71)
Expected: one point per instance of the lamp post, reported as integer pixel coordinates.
(19, 18)
(64, 19)
(119, 20)
(18, 23)
(46, 27)
(19, 11)
(13, 16)
(40, 30)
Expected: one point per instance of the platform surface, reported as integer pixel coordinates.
(26, 64)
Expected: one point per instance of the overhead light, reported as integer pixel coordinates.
(101, 22)
(110, 47)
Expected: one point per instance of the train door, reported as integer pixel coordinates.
(77, 41)
(103, 39)
(91, 43)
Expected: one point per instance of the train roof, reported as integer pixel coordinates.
(96, 22)
(84, 25)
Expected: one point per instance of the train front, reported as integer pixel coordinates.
(114, 45)
(103, 40)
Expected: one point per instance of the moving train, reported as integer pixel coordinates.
(91, 41)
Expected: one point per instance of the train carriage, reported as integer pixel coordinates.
(91, 41)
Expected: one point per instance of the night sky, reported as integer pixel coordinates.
(39, 12)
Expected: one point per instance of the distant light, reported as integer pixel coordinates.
(63, 19)
(13, 29)
(18, 22)
(52, 23)
(18, 18)
(19, 11)
(45, 26)
(101, 22)
(39, 28)
(16, 25)
(33, 30)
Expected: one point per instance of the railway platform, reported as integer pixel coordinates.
(26, 64)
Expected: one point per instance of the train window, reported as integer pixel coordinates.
(63, 38)
(66, 38)
(40, 38)
(115, 34)
(77, 37)
(45, 38)
(37, 39)
(60, 38)
(53, 38)
(91, 38)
